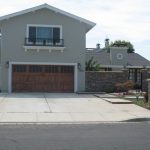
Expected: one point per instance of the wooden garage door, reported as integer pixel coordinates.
(42, 78)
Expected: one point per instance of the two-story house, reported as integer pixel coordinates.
(43, 50)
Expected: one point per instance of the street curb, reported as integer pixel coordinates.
(71, 123)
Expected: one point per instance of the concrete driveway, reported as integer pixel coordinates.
(63, 108)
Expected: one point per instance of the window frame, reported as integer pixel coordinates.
(42, 25)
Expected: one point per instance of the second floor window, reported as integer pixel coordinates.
(44, 35)
(40, 33)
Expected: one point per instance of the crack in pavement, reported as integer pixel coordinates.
(47, 103)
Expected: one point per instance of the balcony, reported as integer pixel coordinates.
(44, 44)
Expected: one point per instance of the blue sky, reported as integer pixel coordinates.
(116, 19)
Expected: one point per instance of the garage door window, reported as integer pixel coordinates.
(43, 68)
(59, 69)
(19, 68)
(35, 69)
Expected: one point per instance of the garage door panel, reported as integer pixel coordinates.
(28, 78)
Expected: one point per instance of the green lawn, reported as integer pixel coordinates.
(140, 102)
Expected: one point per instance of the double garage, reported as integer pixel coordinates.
(42, 78)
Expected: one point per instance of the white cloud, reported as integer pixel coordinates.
(116, 19)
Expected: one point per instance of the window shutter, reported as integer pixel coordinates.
(32, 32)
(56, 33)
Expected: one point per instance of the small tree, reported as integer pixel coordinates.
(92, 65)
(119, 43)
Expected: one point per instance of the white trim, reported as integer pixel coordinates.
(76, 77)
(92, 24)
(9, 78)
(43, 25)
(43, 63)
(41, 48)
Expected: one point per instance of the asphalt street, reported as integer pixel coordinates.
(110, 136)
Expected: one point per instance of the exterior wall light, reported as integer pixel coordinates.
(7, 64)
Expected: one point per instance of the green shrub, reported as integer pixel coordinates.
(125, 86)
(128, 85)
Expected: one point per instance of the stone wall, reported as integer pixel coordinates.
(104, 81)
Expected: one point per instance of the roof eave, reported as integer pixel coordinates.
(89, 23)
(89, 27)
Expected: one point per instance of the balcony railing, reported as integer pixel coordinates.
(44, 42)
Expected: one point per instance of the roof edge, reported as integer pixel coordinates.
(92, 24)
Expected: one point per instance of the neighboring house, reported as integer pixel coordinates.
(117, 58)
(43, 50)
